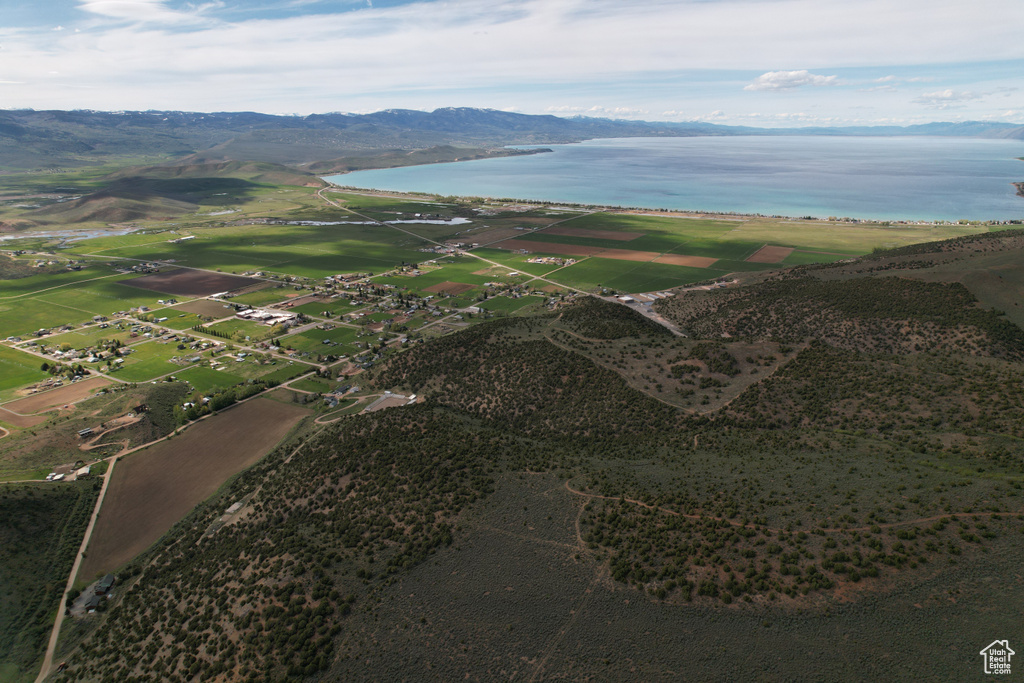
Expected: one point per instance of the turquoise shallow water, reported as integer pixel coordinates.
(895, 178)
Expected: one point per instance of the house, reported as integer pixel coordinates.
(92, 603)
(997, 657)
(105, 584)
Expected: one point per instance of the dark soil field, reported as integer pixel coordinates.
(187, 282)
(153, 489)
(690, 261)
(769, 254)
(56, 397)
(20, 420)
(630, 255)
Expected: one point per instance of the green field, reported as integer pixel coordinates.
(308, 251)
(453, 269)
(334, 307)
(17, 369)
(507, 304)
(251, 331)
(315, 385)
(262, 297)
(85, 337)
(516, 262)
(312, 341)
(31, 303)
(150, 360)
(207, 380)
(176, 320)
(72, 304)
(286, 372)
(629, 276)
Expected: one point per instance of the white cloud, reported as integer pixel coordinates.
(599, 111)
(161, 54)
(146, 11)
(947, 99)
(788, 80)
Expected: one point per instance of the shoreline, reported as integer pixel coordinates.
(525, 150)
(680, 213)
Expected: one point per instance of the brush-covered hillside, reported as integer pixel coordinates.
(832, 461)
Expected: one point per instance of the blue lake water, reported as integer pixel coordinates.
(895, 178)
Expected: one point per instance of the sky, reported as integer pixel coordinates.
(771, 63)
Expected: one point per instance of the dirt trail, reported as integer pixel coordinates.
(55, 633)
(888, 525)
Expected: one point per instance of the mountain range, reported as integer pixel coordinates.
(39, 139)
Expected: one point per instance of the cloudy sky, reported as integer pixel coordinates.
(750, 62)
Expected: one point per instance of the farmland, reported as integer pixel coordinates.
(189, 282)
(19, 369)
(833, 446)
(153, 489)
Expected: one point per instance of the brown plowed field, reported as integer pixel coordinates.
(449, 287)
(57, 397)
(22, 421)
(691, 261)
(629, 255)
(211, 309)
(153, 489)
(188, 282)
(767, 254)
(548, 248)
(617, 235)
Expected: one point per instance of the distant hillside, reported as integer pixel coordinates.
(169, 190)
(41, 139)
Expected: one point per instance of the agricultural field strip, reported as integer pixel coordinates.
(468, 253)
(551, 225)
(48, 659)
(67, 284)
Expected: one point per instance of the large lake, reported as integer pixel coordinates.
(897, 178)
